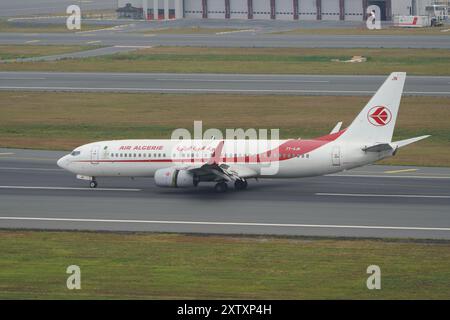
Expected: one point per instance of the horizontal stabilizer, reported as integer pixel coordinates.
(393, 145)
(403, 143)
(336, 128)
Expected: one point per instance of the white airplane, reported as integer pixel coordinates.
(186, 163)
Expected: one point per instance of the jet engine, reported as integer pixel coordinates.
(175, 178)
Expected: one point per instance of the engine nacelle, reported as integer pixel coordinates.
(174, 178)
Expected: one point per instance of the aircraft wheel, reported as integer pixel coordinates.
(240, 184)
(93, 184)
(196, 181)
(221, 187)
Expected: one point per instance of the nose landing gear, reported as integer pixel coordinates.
(93, 184)
(240, 184)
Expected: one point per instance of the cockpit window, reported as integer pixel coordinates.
(75, 153)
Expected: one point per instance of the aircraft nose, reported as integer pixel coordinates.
(62, 162)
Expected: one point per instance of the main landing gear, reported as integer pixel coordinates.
(221, 187)
(238, 185)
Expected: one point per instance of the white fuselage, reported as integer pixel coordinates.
(266, 158)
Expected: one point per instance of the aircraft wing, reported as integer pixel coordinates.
(213, 170)
(216, 172)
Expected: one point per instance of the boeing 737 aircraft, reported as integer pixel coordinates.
(186, 163)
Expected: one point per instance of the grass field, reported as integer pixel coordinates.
(27, 51)
(436, 31)
(176, 266)
(434, 62)
(67, 120)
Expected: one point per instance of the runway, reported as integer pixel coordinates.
(216, 83)
(373, 201)
(243, 40)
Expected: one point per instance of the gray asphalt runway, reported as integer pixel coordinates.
(249, 40)
(216, 83)
(374, 201)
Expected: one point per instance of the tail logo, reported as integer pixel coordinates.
(379, 116)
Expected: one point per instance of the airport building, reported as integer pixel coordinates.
(350, 10)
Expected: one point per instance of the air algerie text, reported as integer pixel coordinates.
(141, 148)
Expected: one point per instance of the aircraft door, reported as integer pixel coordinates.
(336, 156)
(95, 154)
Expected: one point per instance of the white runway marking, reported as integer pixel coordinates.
(250, 224)
(23, 78)
(70, 188)
(401, 171)
(386, 176)
(235, 31)
(7, 153)
(382, 195)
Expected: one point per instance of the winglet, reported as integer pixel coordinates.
(215, 158)
(336, 128)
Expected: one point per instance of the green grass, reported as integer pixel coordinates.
(255, 60)
(176, 266)
(67, 120)
(28, 51)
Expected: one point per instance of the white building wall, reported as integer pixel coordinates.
(401, 8)
(354, 10)
(330, 9)
(307, 10)
(193, 9)
(238, 9)
(261, 9)
(216, 9)
(421, 5)
(284, 10)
